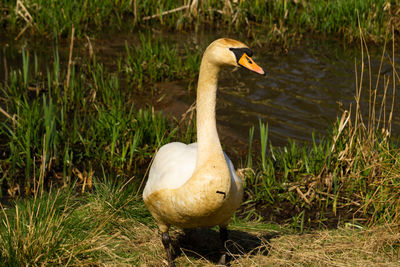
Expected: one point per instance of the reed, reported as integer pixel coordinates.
(283, 20)
(154, 60)
(54, 129)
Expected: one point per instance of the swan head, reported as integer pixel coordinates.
(230, 52)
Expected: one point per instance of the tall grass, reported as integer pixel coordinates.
(154, 60)
(283, 19)
(62, 228)
(55, 134)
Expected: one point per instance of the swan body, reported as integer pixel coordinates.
(196, 185)
(189, 204)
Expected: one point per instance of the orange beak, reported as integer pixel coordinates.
(246, 62)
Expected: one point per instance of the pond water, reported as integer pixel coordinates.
(305, 89)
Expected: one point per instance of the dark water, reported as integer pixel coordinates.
(305, 89)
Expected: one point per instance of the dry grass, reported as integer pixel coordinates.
(347, 246)
(110, 227)
(342, 247)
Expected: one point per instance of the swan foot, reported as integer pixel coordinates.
(166, 240)
(223, 234)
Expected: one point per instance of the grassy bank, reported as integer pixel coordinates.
(53, 228)
(279, 20)
(111, 226)
(76, 144)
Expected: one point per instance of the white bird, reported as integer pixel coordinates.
(196, 185)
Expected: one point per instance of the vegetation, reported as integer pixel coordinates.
(353, 174)
(284, 20)
(78, 151)
(57, 130)
(154, 61)
(53, 228)
(76, 143)
(110, 225)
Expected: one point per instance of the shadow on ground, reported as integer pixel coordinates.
(206, 244)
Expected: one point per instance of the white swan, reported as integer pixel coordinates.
(196, 185)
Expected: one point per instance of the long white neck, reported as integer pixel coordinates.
(207, 136)
(210, 184)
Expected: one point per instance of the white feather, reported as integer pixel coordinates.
(173, 165)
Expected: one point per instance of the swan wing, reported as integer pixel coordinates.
(172, 166)
(235, 178)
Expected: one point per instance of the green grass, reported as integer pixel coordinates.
(154, 60)
(63, 227)
(277, 20)
(342, 178)
(56, 133)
